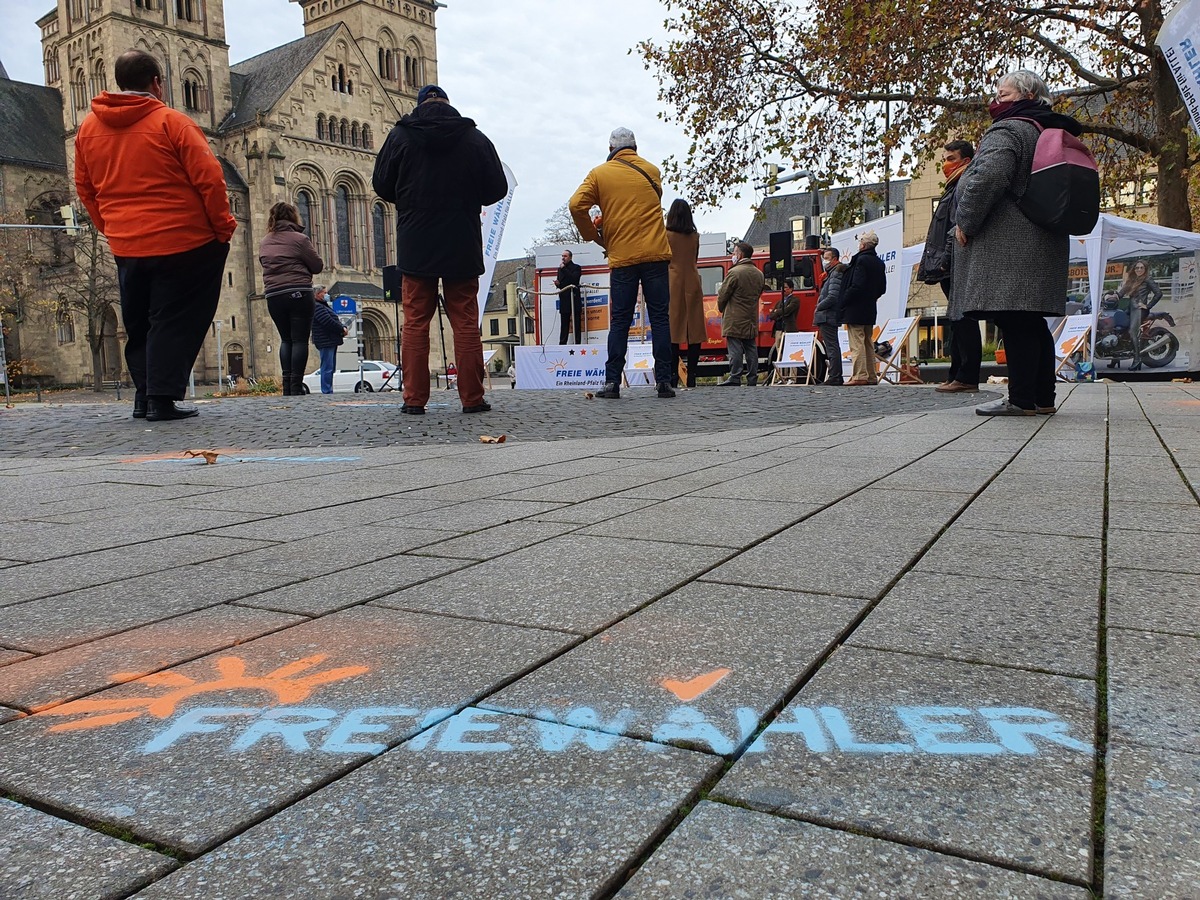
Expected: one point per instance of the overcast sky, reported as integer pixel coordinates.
(545, 80)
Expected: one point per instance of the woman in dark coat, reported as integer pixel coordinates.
(687, 296)
(1007, 269)
(1143, 294)
(289, 263)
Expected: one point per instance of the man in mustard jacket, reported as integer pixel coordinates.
(628, 191)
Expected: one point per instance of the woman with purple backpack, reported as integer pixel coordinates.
(1007, 268)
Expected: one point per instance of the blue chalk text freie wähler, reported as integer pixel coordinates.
(936, 730)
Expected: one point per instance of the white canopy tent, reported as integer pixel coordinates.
(1115, 238)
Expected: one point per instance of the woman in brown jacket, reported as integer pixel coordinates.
(289, 262)
(687, 297)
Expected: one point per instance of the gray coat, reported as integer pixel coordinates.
(1009, 264)
(831, 289)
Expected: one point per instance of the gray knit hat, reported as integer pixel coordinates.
(622, 138)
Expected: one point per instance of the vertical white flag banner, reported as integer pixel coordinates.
(1179, 39)
(493, 221)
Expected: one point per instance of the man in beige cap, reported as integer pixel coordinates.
(863, 284)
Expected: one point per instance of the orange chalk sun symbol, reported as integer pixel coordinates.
(286, 684)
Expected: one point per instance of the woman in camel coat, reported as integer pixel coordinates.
(687, 297)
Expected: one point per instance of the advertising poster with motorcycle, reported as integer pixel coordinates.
(1146, 317)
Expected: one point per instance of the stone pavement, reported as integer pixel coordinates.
(796, 642)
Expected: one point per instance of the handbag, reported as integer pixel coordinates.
(1001, 356)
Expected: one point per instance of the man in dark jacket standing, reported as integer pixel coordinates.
(737, 301)
(440, 171)
(825, 317)
(570, 302)
(327, 334)
(864, 282)
(966, 347)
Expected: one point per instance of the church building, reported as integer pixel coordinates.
(301, 123)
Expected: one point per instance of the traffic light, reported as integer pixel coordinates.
(68, 216)
(772, 178)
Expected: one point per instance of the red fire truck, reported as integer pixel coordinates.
(714, 263)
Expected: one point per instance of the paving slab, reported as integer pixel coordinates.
(1170, 518)
(496, 540)
(44, 681)
(1060, 514)
(60, 576)
(1167, 487)
(1151, 550)
(45, 857)
(266, 722)
(1153, 601)
(352, 517)
(9, 715)
(817, 556)
(350, 587)
(509, 819)
(1151, 830)
(467, 517)
(705, 520)
(1153, 694)
(8, 657)
(920, 477)
(570, 583)
(1021, 557)
(336, 550)
(589, 512)
(1049, 627)
(724, 851)
(677, 672)
(994, 764)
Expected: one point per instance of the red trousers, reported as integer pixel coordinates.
(420, 306)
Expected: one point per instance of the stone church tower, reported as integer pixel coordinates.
(301, 123)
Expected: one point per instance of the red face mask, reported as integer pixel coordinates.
(950, 169)
(997, 108)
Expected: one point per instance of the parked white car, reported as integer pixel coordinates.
(376, 375)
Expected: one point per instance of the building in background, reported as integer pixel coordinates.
(301, 123)
(508, 316)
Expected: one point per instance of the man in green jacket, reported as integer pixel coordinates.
(738, 302)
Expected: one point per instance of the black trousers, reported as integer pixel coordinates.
(569, 310)
(1030, 350)
(167, 305)
(833, 352)
(966, 347)
(692, 355)
(292, 313)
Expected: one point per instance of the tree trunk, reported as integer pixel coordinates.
(97, 369)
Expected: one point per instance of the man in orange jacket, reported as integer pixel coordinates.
(153, 188)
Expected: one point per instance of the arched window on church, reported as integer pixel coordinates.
(350, 87)
(344, 135)
(187, 10)
(99, 77)
(320, 126)
(304, 206)
(195, 96)
(379, 230)
(51, 66)
(341, 208)
(366, 137)
(79, 91)
(354, 135)
(341, 79)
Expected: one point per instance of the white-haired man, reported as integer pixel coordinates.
(628, 190)
(863, 284)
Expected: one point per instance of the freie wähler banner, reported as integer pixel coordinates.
(555, 367)
(1179, 40)
(492, 221)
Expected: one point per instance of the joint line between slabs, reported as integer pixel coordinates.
(1100, 774)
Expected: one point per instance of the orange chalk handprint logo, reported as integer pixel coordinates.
(798, 356)
(286, 684)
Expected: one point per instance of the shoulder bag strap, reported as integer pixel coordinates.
(657, 188)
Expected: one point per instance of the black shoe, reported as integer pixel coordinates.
(729, 382)
(139, 407)
(478, 408)
(159, 409)
(691, 381)
(610, 391)
(412, 410)
(287, 386)
(665, 390)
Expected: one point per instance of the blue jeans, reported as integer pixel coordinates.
(328, 361)
(656, 288)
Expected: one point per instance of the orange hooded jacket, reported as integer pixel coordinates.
(148, 178)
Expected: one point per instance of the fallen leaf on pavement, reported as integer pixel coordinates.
(488, 439)
(210, 456)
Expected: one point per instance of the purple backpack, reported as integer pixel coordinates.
(1063, 192)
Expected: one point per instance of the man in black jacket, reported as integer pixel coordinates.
(440, 171)
(864, 282)
(966, 347)
(570, 302)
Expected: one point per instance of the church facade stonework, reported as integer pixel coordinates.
(301, 122)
